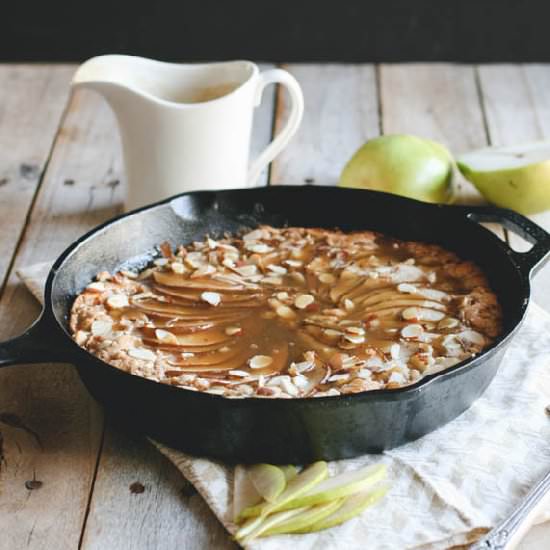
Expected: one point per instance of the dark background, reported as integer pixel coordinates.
(278, 30)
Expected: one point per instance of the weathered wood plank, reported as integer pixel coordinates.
(32, 99)
(161, 516)
(80, 188)
(168, 514)
(518, 110)
(341, 112)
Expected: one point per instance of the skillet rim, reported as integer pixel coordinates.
(382, 394)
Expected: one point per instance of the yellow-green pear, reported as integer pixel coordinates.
(516, 177)
(404, 165)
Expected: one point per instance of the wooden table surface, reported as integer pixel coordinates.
(61, 174)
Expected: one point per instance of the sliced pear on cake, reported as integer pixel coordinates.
(516, 177)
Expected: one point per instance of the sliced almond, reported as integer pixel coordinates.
(412, 331)
(279, 269)
(232, 331)
(260, 361)
(272, 281)
(303, 300)
(246, 270)
(118, 301)
(96, 287)
(166, 337)
(203, 271)
(258, 248)
(327, 278)
(348, 304)
(101, 327)
(142, 353)
(178, 267)
(354, 338)
(212, 298)
(406, 288)
(422, 314)
(282, 296)
(285, 312)
(448, 322)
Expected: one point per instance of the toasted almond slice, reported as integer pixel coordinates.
(348, 304)
(260, 361)
(246, 270)
(412, 331)
(448, 322)
(258, 248)
(232, 331)
(327, 278)
(101, 327)
(285, 312)
(118, 301)
(166, 337)
(212, 298)
(142, 353)
(422, 314)
(354, 338)
(279, 269)
(303, 300)
(203, 271)
(178, 267)
(96, 286)
(272, 281)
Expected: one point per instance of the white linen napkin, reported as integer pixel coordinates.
(449, 487)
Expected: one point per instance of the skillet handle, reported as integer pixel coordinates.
(38, 344)
(532, 260)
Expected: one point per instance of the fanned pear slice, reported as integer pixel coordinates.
(516, 177)
(339, 486)
(244, 492)
(255, 526)
(307, 516)
(303, 482)
(268, 480)
(289, 471)
(176, 280)
(351, 507)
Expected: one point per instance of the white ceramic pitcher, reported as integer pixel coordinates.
(174, 137)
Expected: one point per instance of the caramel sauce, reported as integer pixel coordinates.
(307, 304)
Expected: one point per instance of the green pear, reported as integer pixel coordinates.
(404, 165)
(268, 480)
(245, 494)
(351, 507)
(516, 177)
(303, 482)
(257, 526)
(307, 516)
(339, 486)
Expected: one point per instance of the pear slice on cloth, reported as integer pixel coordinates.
(351, 507)
(308, 516)
(268, 480)
(339, 486)
(303, 482)
(516, 177)
(244, 492)
(256, 526)
(289, 471)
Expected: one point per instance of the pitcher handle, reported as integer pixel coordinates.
(277, 76)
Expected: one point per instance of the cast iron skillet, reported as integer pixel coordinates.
(283, 430)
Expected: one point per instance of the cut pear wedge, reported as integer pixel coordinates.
(296, 487)
(342, 485)
(307, 517)
(244, 492)
(516, 177)
(268, 480)
(255, 527)
(351, 507)
(289, 471)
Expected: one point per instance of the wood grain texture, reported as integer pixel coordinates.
(341, 112)
(168, 514)
(517, 104)
(78, 191)
(32, 99)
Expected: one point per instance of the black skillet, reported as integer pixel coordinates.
(283, 430)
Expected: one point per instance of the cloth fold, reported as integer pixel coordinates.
(450, 486)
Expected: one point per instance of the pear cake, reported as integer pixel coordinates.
(290, 312)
